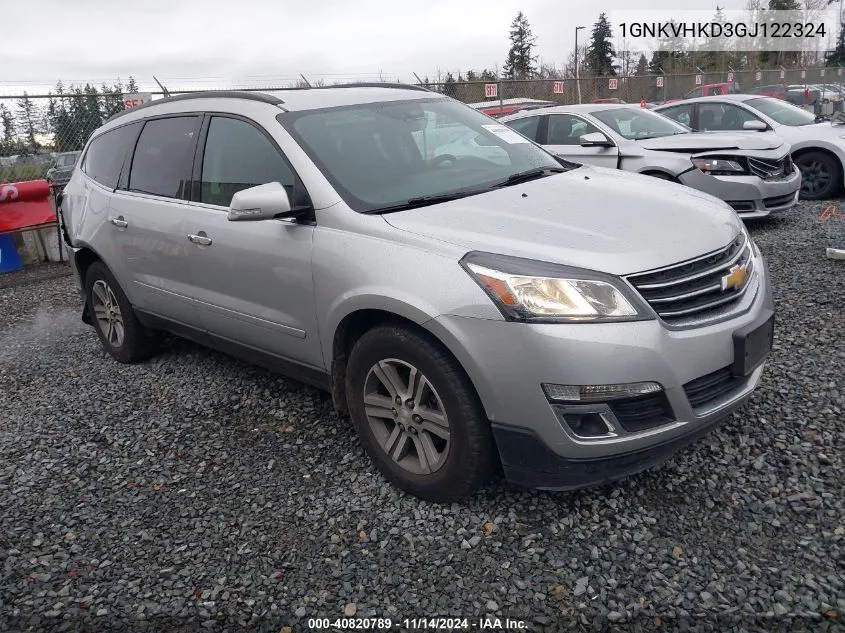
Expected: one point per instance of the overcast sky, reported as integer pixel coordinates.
(226, 43)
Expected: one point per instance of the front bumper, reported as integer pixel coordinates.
(508, 362)
(750, 196)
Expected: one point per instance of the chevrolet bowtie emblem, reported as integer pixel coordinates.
(735, 279)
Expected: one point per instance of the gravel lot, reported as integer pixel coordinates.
(196, 492)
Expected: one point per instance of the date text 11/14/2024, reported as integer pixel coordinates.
(418, 624)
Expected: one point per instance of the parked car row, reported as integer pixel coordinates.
(752, 173)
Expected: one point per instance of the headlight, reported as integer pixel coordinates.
(716, 166)
(527, 290)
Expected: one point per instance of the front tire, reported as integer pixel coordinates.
(417, 414)
(120, 332)
(821, 175)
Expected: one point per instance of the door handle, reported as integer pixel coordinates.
(119, 222)
(199, 238)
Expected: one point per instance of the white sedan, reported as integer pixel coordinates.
(818, 146)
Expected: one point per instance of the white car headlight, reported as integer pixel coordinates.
(526, 290)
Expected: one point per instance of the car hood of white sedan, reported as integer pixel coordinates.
(706, 141)
(590, 217)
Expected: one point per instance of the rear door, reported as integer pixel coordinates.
(563, 138)
(251, 280)
(147, 218)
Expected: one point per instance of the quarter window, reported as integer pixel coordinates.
(239, 156)
(106, 153)
(163, 157)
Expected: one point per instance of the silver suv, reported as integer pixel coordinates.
(469, 310)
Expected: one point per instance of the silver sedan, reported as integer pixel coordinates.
(752, 173)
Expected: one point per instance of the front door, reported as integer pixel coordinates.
(252, 280)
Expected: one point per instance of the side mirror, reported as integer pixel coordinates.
(263, 202)
(757, 126)
(595, 139)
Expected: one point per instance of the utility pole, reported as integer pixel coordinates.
(577, 81)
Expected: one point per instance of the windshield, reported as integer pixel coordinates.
(636, 123)
(379, 155)
(782, 112)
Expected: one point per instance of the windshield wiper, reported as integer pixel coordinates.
(530, 174)
(422, 201)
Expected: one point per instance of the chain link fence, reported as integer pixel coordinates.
(42, 135)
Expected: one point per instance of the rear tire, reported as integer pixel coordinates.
(821, 175)
(434, 441)
(112, 316)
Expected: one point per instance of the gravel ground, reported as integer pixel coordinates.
(196, 492)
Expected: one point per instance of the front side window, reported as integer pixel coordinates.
(782, 111)
(379, 155)
(638, 124)
(238, 156)
(566, 129)
(719, 117)
(682, 114)
(162, 162)
(527, 126)
(106, 153)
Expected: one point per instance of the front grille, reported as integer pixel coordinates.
(694, 288)
(642, 413)
(712, 386)
(778, 201)
(770, 169)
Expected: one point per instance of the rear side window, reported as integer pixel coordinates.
(238, 156)
(163, 157)
(106, 154)
(526, 126)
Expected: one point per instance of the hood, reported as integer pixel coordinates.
(704, 141)
(601, 219)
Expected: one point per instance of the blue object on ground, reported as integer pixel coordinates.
(9, 259)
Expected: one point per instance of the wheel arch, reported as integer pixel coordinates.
(356, 322)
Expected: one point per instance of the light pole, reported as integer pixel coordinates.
(577, 82)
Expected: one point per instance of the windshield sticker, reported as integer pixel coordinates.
(505, 133)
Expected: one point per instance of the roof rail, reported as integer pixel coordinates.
(376, 84)
(205, 94)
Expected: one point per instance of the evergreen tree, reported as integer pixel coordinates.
(131, 86)
(520, 63)
(600, 53)
(8, 122)
(642, 65)
(29, 121)
(450, 88)
(836, 57)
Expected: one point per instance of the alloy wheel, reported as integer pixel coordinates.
(815, 177)
(107, 312)
(407, 416)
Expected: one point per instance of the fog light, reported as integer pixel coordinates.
(599, 393)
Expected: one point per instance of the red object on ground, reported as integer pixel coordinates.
(25, 204)
(642, 104)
